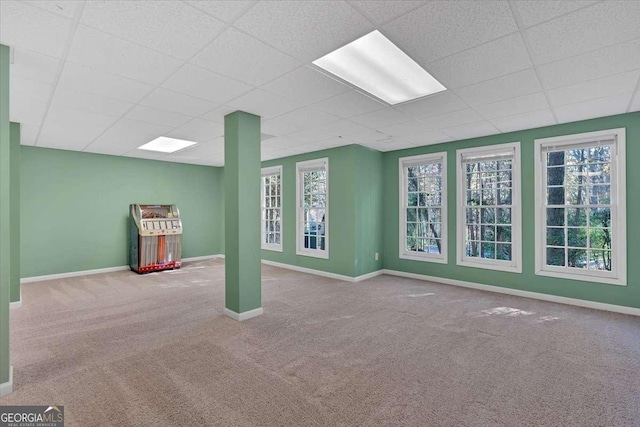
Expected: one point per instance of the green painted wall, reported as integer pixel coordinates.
(342, 242)
(15, 211)
(75, 207)
(5, 214)
(243, 286)
(622, 295)
(368, 178)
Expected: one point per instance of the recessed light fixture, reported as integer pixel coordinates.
(166, 145)
(377, 66)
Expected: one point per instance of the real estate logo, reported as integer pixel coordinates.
(31, 416)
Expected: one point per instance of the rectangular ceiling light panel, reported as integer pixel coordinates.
(377, 66)
(166, 145)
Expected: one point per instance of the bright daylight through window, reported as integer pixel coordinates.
(489, 207)
(423, 207)
(272, 208)
(581, 206)
(313, 208)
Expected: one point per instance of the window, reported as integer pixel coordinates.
(581, 207)
(423, 207)
(313, 208)
(272, 208)
(489, 233)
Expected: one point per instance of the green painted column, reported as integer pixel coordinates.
(14, 199)
(6, 380)
(243, 292)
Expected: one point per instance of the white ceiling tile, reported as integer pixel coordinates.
(70, 129)
(368, 136)
(325, 144)
(589, 66)
(635, 105)
(134, 127)
(533, 12)
(198, 130)
(278, 143)
(439, 103)
(306, 85)
(153, 115)
(456, 118)
(473, 130)
(34, 29)
(203, 151)
(28, 134)
(305, 30)
(66, 8)
(217, 114)
(33, 66)
(501, 88)
(256, 64)
(430, 139)
(145, 154)
(406, 129)
(167, 100)
(448, 27)
(77, 100)
(200, 83)
(167, 26)
(28, 101)
(99, 50)
(509, 107)
(381, 12)
(89, 80)
(488, 61)
(349, 104)
(381, 118)
(530, 120)
(593, 89)
(594, 27)
(340, 128)
(225, 10)
(602, 107)
(278, 127)
(307, 117)
(264, 104)
(117, 142)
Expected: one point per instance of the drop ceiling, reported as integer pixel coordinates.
(108, 76)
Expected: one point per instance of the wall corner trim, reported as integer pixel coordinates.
(246, 315)
(6, 388)
(517, 292)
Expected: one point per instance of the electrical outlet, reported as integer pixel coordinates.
(377, 256)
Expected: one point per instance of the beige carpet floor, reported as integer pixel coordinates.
(121, 349)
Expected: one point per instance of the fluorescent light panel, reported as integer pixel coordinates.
(377, 66)
(166, 145)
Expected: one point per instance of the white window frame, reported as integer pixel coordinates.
(403, 164)
(270, 171)
(322, 163)
(618, 275)
(515, 265)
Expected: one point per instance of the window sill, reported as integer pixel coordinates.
(319, 254)
(490, 266)
(272, 248)
(423, 258)
(583, 277)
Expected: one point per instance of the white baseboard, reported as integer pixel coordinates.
(6, 388)
(245, 315)
(102, 270)
(517, 292)
(336, 276)
(72, 274)
(16, 304)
